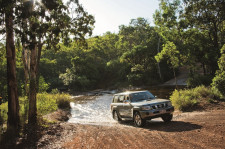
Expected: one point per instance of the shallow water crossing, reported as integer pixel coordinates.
(95, 112)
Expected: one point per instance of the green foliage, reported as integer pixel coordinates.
(55, 91)
(3, 71)
(207, 17)
(197, 80)
(3, 113)
(136, 75)
(219, 83)
(43, 86)
(24, 105)
(183, 100)
(63, 101)
(189, 99)
(219, 80)
(171, 53)
(139, 41)
(47, 103)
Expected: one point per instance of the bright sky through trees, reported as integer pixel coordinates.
(110, 14)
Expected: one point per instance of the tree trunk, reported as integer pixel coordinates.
(174, 73)
(26, 63)
(159, 70)
(32, 115)
(13, 102)
(203, 67)
(38, 61)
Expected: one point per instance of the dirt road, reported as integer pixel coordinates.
(187, 130)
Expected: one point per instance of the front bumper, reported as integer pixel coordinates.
(149, 114)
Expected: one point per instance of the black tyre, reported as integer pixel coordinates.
(116, 116)
(138, 121)
(167, 118)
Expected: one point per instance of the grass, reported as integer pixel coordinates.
(189, 99)
(46, 103)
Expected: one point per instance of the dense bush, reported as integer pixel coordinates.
(188, 99)
(219, 80)
(197, 80)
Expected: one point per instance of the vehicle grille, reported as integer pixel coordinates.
(159, 106)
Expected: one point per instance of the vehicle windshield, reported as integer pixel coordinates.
(140, 96)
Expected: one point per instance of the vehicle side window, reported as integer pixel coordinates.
(121, 98)
(115, 99)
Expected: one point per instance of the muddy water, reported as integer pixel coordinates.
(97, 111)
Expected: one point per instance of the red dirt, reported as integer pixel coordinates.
(187, 130)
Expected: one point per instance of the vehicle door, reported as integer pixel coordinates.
(120, 109)
(127, 107)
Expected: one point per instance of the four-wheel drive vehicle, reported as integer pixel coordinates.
(140, 106)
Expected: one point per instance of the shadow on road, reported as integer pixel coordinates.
(173, 126)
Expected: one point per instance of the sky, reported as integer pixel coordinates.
(110, 14)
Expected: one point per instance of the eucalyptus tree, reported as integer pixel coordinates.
(172, 55)
(7, 20)
(166, 20)
(47, 23)
(209, 18)
(167, 26)
(138, 41)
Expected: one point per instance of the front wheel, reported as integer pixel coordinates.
(167, 118)
(138, 121)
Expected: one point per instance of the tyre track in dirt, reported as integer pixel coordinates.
(198, 130)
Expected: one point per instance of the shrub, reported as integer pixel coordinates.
(3, 112)
(188, 99)
(47, 103)
(197, 80)
(219, 83)
(55, 91)
(63, 101)
(183, 100)
(219, 80)
(43, 86)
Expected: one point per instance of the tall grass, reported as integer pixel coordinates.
(46, 103)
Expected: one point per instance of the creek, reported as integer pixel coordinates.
(97, 111)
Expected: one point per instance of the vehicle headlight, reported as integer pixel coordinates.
(169, 104)
(146, 107)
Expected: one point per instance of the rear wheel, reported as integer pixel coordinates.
(167, 118)
(116, 116)
(138, 121)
